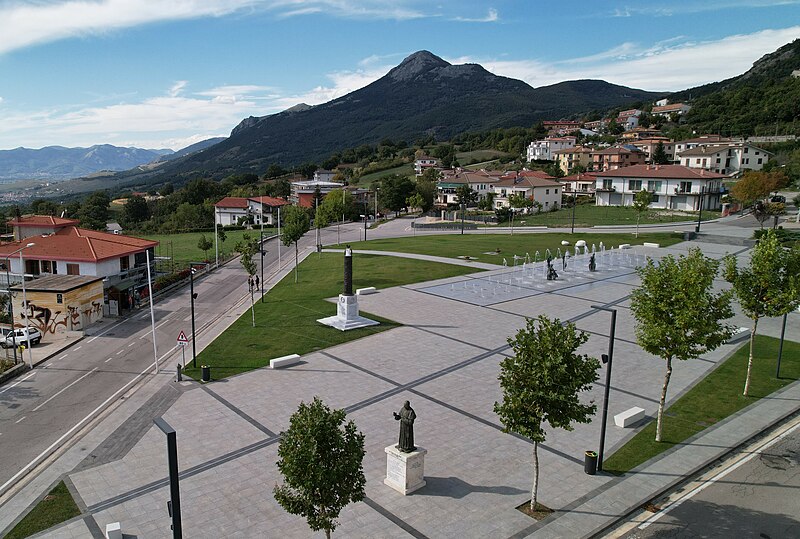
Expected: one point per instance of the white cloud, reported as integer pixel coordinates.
(177, 88)
(492, 16)
(667, 66)
(671, 9)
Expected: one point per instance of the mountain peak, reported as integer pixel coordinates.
(416, 64)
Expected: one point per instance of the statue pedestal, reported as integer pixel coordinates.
(405, 472)
(347, 316)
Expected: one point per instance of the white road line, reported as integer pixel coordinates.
(62, 357)
(20, 419)
(75, 427)
(131, 344)
(164, 321)
(63, 389)
(118, 353)
(677, 503)
(77, 348)
(46, 367)
(144, 314)
(106, 331)
(106, 361)
(17, 383)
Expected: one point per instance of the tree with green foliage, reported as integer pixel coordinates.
(282, 188)
(415, 201)
(678, 316)
(757, 185)
(641, 201)
(542, 383)
(221, 237)
(321, 460)
(94, 211)
(307, 170)
(334, 205)
(135, 210)
(204, 244)
(394, 190)
(247, 248)
(466, 195)
(274, 171)
(769, 286)
(166, 189)
(295, 223)
(40, 206)
(426, 187)
(660, 156)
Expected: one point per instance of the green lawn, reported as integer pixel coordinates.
(183, 247)
(479, 156)
(591, 215)
(286, 323)
(403, 170)
(714, 398)
(57, 507)
(476, 245)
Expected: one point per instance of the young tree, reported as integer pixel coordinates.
(295, 223)
(320, 458)
(678, 316)
(660, 156)
(415, 201)
(752, 186)
(768, 286)
(466, 195)
(204, 244)
(542, 383)
(641, 201)
(222, 236)
(247, 249)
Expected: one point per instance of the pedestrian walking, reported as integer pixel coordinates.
(258, 282)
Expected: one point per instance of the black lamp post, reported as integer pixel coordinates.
(607, 359)
(263, 254)
(463, 211)
(174, 505)
(574, 203)
(700, 213)
(192, 295)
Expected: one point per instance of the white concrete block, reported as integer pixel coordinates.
(365, 291)
(114, 531)
(629, 416)
(653, 245)
(405, 472)
(284, 361)
(625, 246)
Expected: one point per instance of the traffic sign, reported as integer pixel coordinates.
(182, 339)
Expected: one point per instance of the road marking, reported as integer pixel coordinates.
(106, 331)
(707, 483)
(62, 357)
(20, 419)
(46, 367)
(164, 321)
(63, 389)
(118, 353)
(131, 344)
(75, 427)
(106, 361)
(141, 316)
(77, 348)
(17, 383)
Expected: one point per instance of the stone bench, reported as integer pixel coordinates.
(625, 246)
(653, 245)
(366, 291)
(629, 417)
(114, 531)
(739, 335)
(284, 361)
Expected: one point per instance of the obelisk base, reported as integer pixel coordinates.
(405, 472)
(347, 316)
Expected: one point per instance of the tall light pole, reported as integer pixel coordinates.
(25, 305)
(263, 253)
(574, 203)
(216, 238)
(376, 203)
(192, 295)
(152, 313)
(279, 238)
(607, 358)
(11, 310)
(700, 213)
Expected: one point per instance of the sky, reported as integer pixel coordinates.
(168, 73)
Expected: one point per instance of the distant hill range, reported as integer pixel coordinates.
(423, 95)
(58, 162)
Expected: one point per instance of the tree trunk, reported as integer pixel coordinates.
(750, 359)
(663, 399)
(535, 487)
(252, 309)
(327, 533)
(295, 261)
(638, 217)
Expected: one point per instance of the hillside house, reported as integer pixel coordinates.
(533, 185)
(667, 110)
(542, 150)
(230, 210)
(560, 127)
(648, 146)
(423, 163)
(617, 157)
(725, 158)
(481, 182)
(581, 184)
(569, 158)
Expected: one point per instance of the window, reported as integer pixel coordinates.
(59, 298)
(73, 269)
(686, 187)
(697, 161)
(746, 149)
(124, 263)
(547, 191)
(747, 161)
(759, 160)
(32, 267)
(46, 266)
(608, 184)
(718, 159)
(635, 185)
(653, 185)
(556, 190)
(655, 198)
(55, 267)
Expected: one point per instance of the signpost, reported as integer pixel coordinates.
(183, 341)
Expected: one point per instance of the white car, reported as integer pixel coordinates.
(20, 337)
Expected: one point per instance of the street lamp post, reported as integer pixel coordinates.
(192, 295)
(700, 213)
(463, 210)
(263, 253)
(574, 203)
(152, 313)
(608, 359)
(174, 505)
(780, 347)
(11, 310)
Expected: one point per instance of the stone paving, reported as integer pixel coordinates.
(445, 360)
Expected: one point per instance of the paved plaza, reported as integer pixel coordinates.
(445, 360)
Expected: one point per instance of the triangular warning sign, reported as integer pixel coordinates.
(182, 337)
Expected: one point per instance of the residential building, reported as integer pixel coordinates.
(649, 145)
(230, 210)
(322, 175)
(581, 184)
(304, 192)
(640, 133)
(674, 187)
(481, 182)
(560, 127)
(569, 158)
(683, 145)
(661, 102)
(424, 162)
(667, 110)
(725, 158)
(628, 122)
(542, 150)
(617, 157)
(533, 185)
(596, 125)
(58, 303)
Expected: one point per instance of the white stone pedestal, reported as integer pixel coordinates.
(347, 316)
(405, 472)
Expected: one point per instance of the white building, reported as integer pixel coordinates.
(322, 175)
(581, 184)
(666, 110)
(230, 210)
(673, 186)
(481, 182)
(728, 158)
(533, 185)
(542, 150)
(423, 163)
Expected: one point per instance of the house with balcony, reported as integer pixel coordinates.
(673, 187)
(569, 158)
(423, 163)
(322, 175)
(667, 110)
(481, 182)
(581, 184)
(725, 158)
(703, 140)
(560, 127)
(230, 210)
(304, 192)
(60, 247)
(617, 157)
(534, 185)
(542, 150)
(640, 133)
(649, 145)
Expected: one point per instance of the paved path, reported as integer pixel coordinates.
(429, 258)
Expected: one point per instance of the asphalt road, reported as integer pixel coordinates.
(757, 498)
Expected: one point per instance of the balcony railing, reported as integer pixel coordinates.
(610, 189)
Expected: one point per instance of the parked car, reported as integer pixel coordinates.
(778, 198)
(20, 336)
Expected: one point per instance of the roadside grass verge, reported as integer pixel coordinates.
(183, 247)
(477, 245)
(57, 507)
(590, 215)
(286, 323)
(714, 398)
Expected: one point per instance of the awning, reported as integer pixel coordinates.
(124, 285)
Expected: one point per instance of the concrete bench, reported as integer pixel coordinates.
(365, 291)
(653, 245)
(629, 417)
(625, 246)
(739, 335)
(284, 361)
(113, 531)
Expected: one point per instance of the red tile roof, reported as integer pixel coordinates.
(674, 172)
(581, 176)
(41, 220)
(232, 202)
(79, 245)
(270, 201)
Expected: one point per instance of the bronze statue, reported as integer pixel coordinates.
(551, 271)
(592, 263)
(406, 418)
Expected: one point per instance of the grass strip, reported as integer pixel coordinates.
(478, 245)
(55, 508)
(286, 323)
(714, 398)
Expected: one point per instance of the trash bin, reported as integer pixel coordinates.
(590, 462)
(206, 376)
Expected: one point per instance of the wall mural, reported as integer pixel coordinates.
(48, 321)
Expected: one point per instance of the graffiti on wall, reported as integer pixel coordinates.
(48, 321)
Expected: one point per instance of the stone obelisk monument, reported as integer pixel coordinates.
(347, 316)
